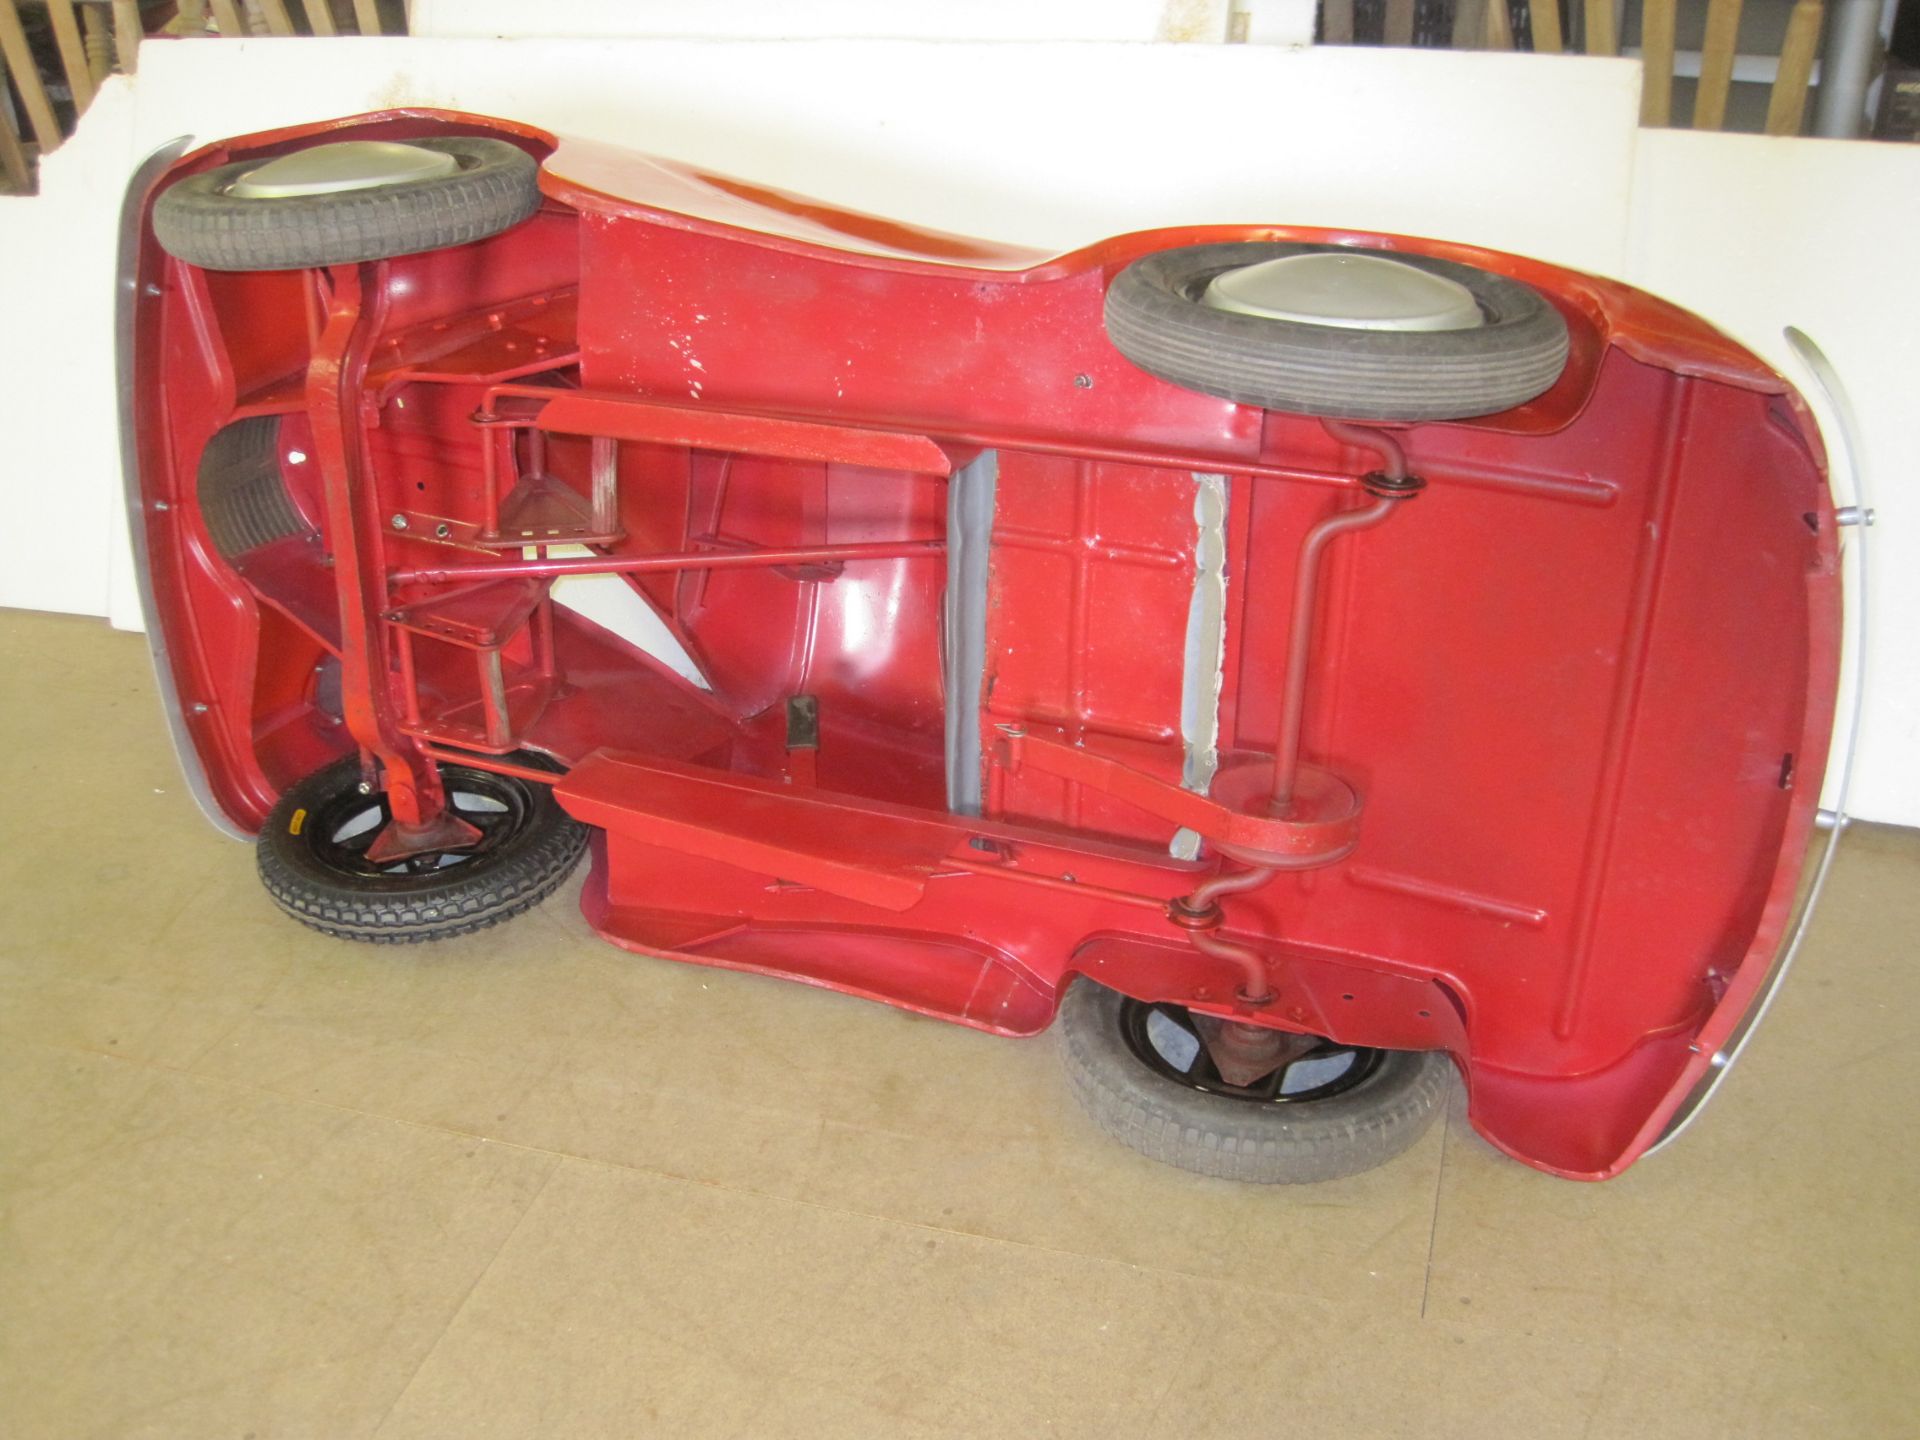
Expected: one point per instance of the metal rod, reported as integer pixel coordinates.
(1255, 987)
(1206, 894)
(336, 375)
(1199, 912)
(491, 763)
(683, 560)
(1286, 751)
(1049, 882)
(606, 480)
(1846, 69)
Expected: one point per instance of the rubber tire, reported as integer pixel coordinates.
(403, 909)
(242, 495)
(1155, 318)
(496, 187)
(1231, 1139)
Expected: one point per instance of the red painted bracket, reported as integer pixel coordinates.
(843, 847)
(1319, 825)
(627, 417)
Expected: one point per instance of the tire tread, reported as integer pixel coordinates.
(1229, 1139)
(194, 220)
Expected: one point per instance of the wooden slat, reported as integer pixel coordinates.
(13, 156)
(26, 78)
(99, 43)
(1469, 24)
(1545, 15)
(1602, 36)
(127, 33)
(367, 13)
(1656, 51)
(1398, 29)
(1499, 26)
(1716, 64)
(193, 17)
(226, 14)
(1336, 20)
(320, 17)
(73, 53)
(278, 21)
(1787, 106)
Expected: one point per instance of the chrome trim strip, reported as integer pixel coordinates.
(1835, 820)
(970, 508)
(1205, 649)
(126, 302)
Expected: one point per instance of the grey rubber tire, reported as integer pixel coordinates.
(1233, 1139)
(242, 495)
(496, 187)
(513, 875)
(1155, 318)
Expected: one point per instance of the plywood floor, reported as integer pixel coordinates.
(258, 1184)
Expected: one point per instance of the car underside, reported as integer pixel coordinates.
(1303, 706)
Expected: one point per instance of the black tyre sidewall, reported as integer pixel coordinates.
(496, 187)
(1155, 317)
(491, 886)
(1303, 1142)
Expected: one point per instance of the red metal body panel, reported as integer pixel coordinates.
(1567, 712)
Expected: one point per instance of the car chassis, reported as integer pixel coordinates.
(997, 664)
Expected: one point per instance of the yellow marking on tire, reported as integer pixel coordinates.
(299, 819)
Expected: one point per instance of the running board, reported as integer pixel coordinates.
(877, 855)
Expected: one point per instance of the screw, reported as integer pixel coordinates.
(1085, 382)
(199, 707)
(1852, 515)
(364, 787)
(399, 522)
(161, 505)
(442, 531)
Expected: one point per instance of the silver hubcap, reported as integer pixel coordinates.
(1354, 291)
(345, 165)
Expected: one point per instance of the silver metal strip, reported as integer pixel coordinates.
(1205, 649)
(126, 303)
(1859, 517)
(970, 505)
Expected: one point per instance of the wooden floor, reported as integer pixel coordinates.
(256, 1183)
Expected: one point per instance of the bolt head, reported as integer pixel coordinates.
(399, 522)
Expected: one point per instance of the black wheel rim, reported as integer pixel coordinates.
(1316, 1075)
(340, 831)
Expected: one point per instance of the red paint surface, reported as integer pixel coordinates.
(1564, 682)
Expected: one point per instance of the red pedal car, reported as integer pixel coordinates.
(1301, 663)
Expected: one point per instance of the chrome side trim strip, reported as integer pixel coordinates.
(1859, 517)
(126, 303)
